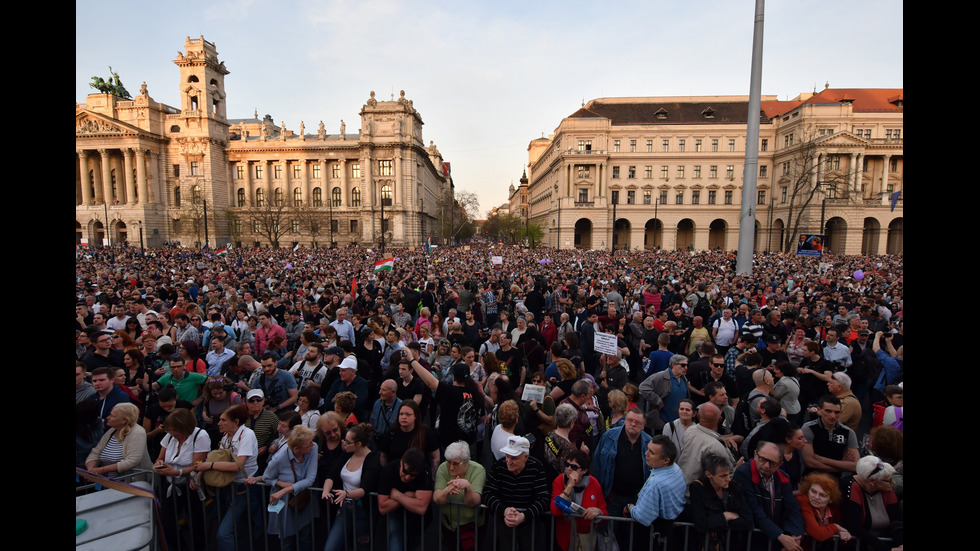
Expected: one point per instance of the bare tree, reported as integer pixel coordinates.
(271, 218)
(314, 220)
(457, 211)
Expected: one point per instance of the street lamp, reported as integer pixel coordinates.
(615, 201)
(385, 198)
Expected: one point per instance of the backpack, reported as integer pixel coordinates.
(468, 416)
(742, 424)
(702, 308)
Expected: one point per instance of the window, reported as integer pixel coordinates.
(298, 197)
(888, 133)
(585, 145)
(648, 171)
(335, 170)
(277, 172)
(239, 172)
(889, 189)
(712, 197)
(583, 195)
(631, 197)
(335, 197)
(241, 197)
(355, 170)
(834, 162)
(730, 172)
(697, 144)
(584, 171)
(279, 197)
(665, 146)
(679, 198)
(194, 168)
(355, 197)
(897, 134)
(713, 171)
(385, 168)
(353, 226)
(649, 146)
(317, 197)
(646, 198)
(763, 171)
(632, 146)
(696, 197)
(177, 196)
(177, 226)
(714, 144)
(335, 226)
(697, 171)
(632, 172)
(681, 144)
(867, 133)
(176, 171)
(762, 197)
(386, 195)
(786, 168)
(782, 198)
(614, 196)
(295, 226)
(731, 145)
(196, 195)
(615, 173)
(765, 144)
(894, 164)
(664, 174)
(616, 146)
(297, 171)
(663, 197)
(258, 171)
(239, 228)
(256, 226)
(316, 170)
(680, 171)
(728, 197)
(864, 168)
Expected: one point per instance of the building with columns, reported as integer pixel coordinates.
(667, 172)
(143, 165)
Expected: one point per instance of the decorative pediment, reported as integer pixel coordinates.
(193, 147)
(840, 139)
(88, 123)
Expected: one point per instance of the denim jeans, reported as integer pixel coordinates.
(240, 509)
(352, 518)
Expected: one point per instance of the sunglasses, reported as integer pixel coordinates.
(572, 466)
(255, 400)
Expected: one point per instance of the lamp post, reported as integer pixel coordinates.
(559, 224)
(142, 248)
(615, 201)
(656, 207)
(385, 197)
(205, 223)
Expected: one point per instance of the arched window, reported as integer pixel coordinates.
(241, 197)
(196, 195)
(279, 197)
(259, 197)
(386, 195)
(177, 196)
(317, 197)
(335, 197)
(298, 197)
(355, 197)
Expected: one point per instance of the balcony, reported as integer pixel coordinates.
(584, 204)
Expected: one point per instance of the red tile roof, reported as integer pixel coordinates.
(864, 99)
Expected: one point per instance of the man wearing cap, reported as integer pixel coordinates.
(517, 492)
(262, 422)
(294, 329)
(349, 381)
(663, 392)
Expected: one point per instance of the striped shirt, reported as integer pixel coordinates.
(528, 491)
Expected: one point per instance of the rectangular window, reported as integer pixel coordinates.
(616, 146)
(696, 197)
(763, 171)
(697, 171)
(194, 168)
(335, 170)
(632, 172)
(714, 144)
(295, 226)
(867, 133)
(679, 198)
(353, 226)
(277, 172)
(681, 144)
(835, 162)
(176, 171)
(355, 170)
(731, 145)
(256, 226)
(897, 134)
(584, 171)
(728, 197)
(384, 225)
(765, 145)
(782, 197)
(888, 133)
(649, 146)
(240, 172)
(297, 171)
(894, 164)
(385, 168)
(335, 226)
(666, 146)
(239, 228)
(697, 145)
(614, 196)
(663, 172)
(762, 197)
(632, 146)
(615, 173)
(680, 171)
(713, 171)
(786, 167)
(712, 197)
(583, 195)
(646, 198)
(730, 171)
(258, 172)
(316, 170)
(585, 145)
(631, 197)
(648, 172)
(663, 197)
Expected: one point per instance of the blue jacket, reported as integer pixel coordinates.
(788, 519)
(604, 460)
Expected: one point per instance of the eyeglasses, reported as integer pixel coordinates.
(572, 466)
(349, 442)
(454, 462)
(766, 460)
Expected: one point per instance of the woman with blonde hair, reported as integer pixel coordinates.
(122, 447)
(291, 472)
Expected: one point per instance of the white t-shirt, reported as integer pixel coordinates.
(244, 443)
(180, 456)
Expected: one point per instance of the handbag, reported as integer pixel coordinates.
(220, 479)
(298, 502)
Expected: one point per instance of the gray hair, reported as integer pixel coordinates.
(676, 359)
(843, 379)
(711, 462)
(458, 451)
(565, 415)
(870, 467)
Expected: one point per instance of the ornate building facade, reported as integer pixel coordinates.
(164, 171)
(667, 172)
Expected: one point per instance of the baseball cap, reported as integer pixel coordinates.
(350, 362)
(516, 445)
(255, 392)
(335, 350)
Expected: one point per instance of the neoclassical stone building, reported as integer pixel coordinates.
(145, 166)
(667, 172)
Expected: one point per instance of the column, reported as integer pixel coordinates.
(86, 184)
(325, 181)
(128, 175)
(701, 237)
(600, 178)
(343, 182)
(852, 179)
(859, 173)
(106, 177)
(304, 175)
(885, 198)
(267, 180)
(144, 196)
(287, 187)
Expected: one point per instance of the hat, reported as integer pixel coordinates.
(460, 372)
(335, 350)
(255, 392)
(864, 333)
(516, 445)
(350, 362)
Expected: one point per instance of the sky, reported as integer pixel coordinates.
(486, 79)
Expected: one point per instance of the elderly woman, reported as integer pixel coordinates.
(577, 486)
(819, 497)
(122, 447)
(292, 472)
(558, 444)
(870, 507)
(459, 484)
(716, 503)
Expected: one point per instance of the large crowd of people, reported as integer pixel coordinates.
(499, 381)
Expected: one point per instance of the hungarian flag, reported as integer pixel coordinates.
(353, 288)
(387, 264)
(221, 252)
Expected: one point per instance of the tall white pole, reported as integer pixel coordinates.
(746, 226)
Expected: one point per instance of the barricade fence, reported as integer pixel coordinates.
(237, 517)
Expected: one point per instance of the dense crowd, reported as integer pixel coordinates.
(649, 385)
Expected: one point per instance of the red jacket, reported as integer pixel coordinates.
(591, 498)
